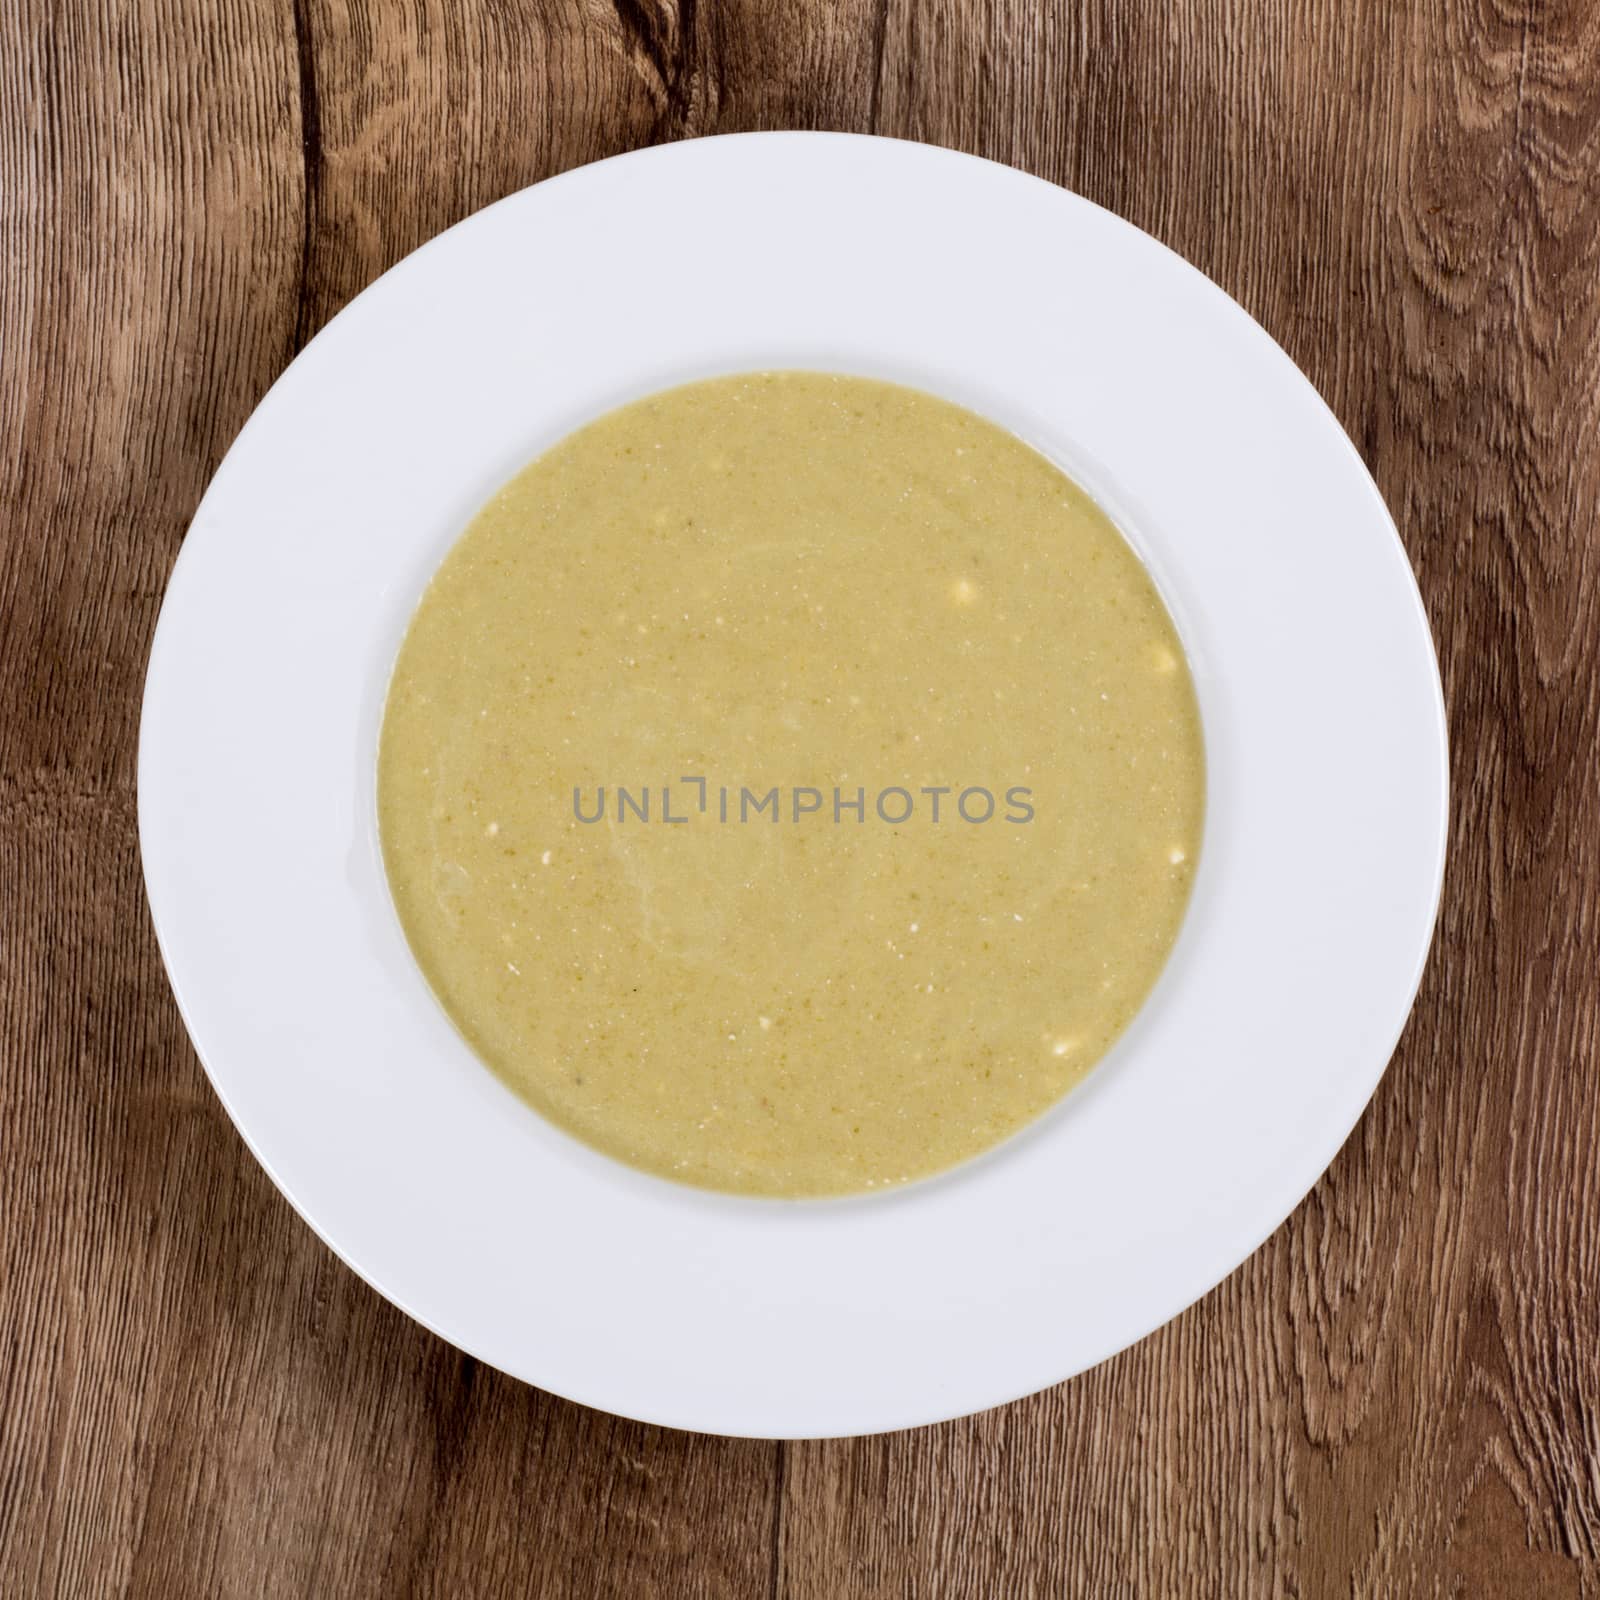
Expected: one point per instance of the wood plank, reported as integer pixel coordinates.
(1395, 1396)
(199, 1398)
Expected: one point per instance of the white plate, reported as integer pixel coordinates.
(1313, 906)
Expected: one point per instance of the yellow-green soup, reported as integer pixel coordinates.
(791, 784)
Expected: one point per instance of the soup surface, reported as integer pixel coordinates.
(791, 784)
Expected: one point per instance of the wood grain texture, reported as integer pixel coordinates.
(1398, 1396)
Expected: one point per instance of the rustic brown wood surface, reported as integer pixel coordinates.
(1398, 1396)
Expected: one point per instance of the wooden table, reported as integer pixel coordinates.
(1398, 1396)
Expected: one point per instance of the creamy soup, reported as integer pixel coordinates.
(791, 784)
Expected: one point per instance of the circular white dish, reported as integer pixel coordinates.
(1314, 901)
